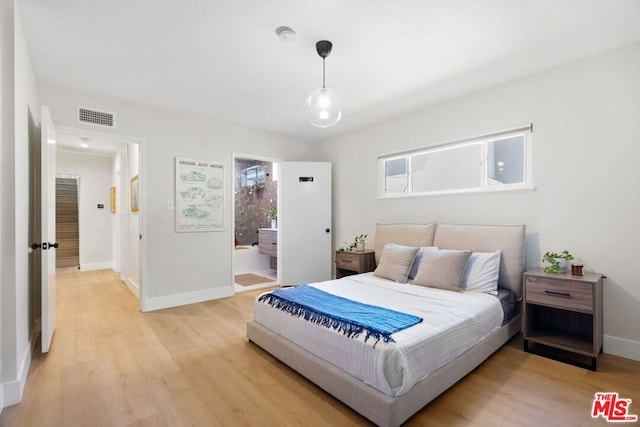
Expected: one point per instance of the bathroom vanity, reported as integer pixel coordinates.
(268, 241)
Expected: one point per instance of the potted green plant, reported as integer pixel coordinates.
(272, 214)
(557, 263)
(357, 244)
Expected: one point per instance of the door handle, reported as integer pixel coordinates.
(35, 246)
(46, 245)
(327, 230)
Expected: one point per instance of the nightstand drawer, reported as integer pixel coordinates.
(558, 293)
(349, 261)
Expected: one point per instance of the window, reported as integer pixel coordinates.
(495, 162)
(505, 160)
(253, 175)
(395, 176)
(447, 169)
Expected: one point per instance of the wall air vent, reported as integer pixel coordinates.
(95, 117)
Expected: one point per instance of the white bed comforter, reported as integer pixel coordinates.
(452, 323)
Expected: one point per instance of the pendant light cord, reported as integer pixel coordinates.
(323, 73)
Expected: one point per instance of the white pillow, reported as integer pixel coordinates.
(416, 262)
(481, 273)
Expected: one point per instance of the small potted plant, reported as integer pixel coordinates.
(272, 214)
(357, 244)
(557, 263)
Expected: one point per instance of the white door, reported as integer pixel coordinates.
(48, 227)
(304, 222)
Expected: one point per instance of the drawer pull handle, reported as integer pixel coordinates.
(347, 261)
(558, 294)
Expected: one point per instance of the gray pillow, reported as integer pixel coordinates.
(416, 263)
(395, 262)
(442, 268)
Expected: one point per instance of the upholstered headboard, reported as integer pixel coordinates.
(509, 239)
(416, 235)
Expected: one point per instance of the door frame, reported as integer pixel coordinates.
(235, 156)
(142, 213)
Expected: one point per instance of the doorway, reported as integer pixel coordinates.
(103, 165)
(255, 222)
(67, 232)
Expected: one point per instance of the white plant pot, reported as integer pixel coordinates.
(360, 247)
(564, 264)
(274, 223)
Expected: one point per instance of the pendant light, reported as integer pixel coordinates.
(324, 104)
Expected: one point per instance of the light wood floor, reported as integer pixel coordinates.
(111, 365)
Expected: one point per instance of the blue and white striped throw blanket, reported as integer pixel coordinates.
(344, 315)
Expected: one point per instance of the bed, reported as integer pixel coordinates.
(388, 382)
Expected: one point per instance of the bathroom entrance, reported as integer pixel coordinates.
(255, 222)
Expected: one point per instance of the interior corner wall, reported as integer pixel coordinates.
(95, 172)
(19, 108)
(585, 154)
(180, 267)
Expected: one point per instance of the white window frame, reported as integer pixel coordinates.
(484, 186)
(383, 180)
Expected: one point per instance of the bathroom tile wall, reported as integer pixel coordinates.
(252, 202)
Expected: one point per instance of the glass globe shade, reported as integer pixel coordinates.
(325, 106)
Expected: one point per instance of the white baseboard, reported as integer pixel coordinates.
(12, 390)
(159, 303)
(89, 266)
(622, 347)
(133, 287)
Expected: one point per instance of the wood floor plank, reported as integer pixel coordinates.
(111, 365)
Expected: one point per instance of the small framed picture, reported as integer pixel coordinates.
(135, 194)
(113, 199)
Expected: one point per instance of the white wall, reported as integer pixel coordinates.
(95, 225)
(19, 106)
(586, 124)
(181, 267)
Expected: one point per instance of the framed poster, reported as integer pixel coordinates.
(113, 199)
(199, 195)
(135, 195)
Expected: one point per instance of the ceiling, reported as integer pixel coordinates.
(221, 59)
(85, 141)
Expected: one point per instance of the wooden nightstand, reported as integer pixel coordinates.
(561, 311)
(352, 262)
